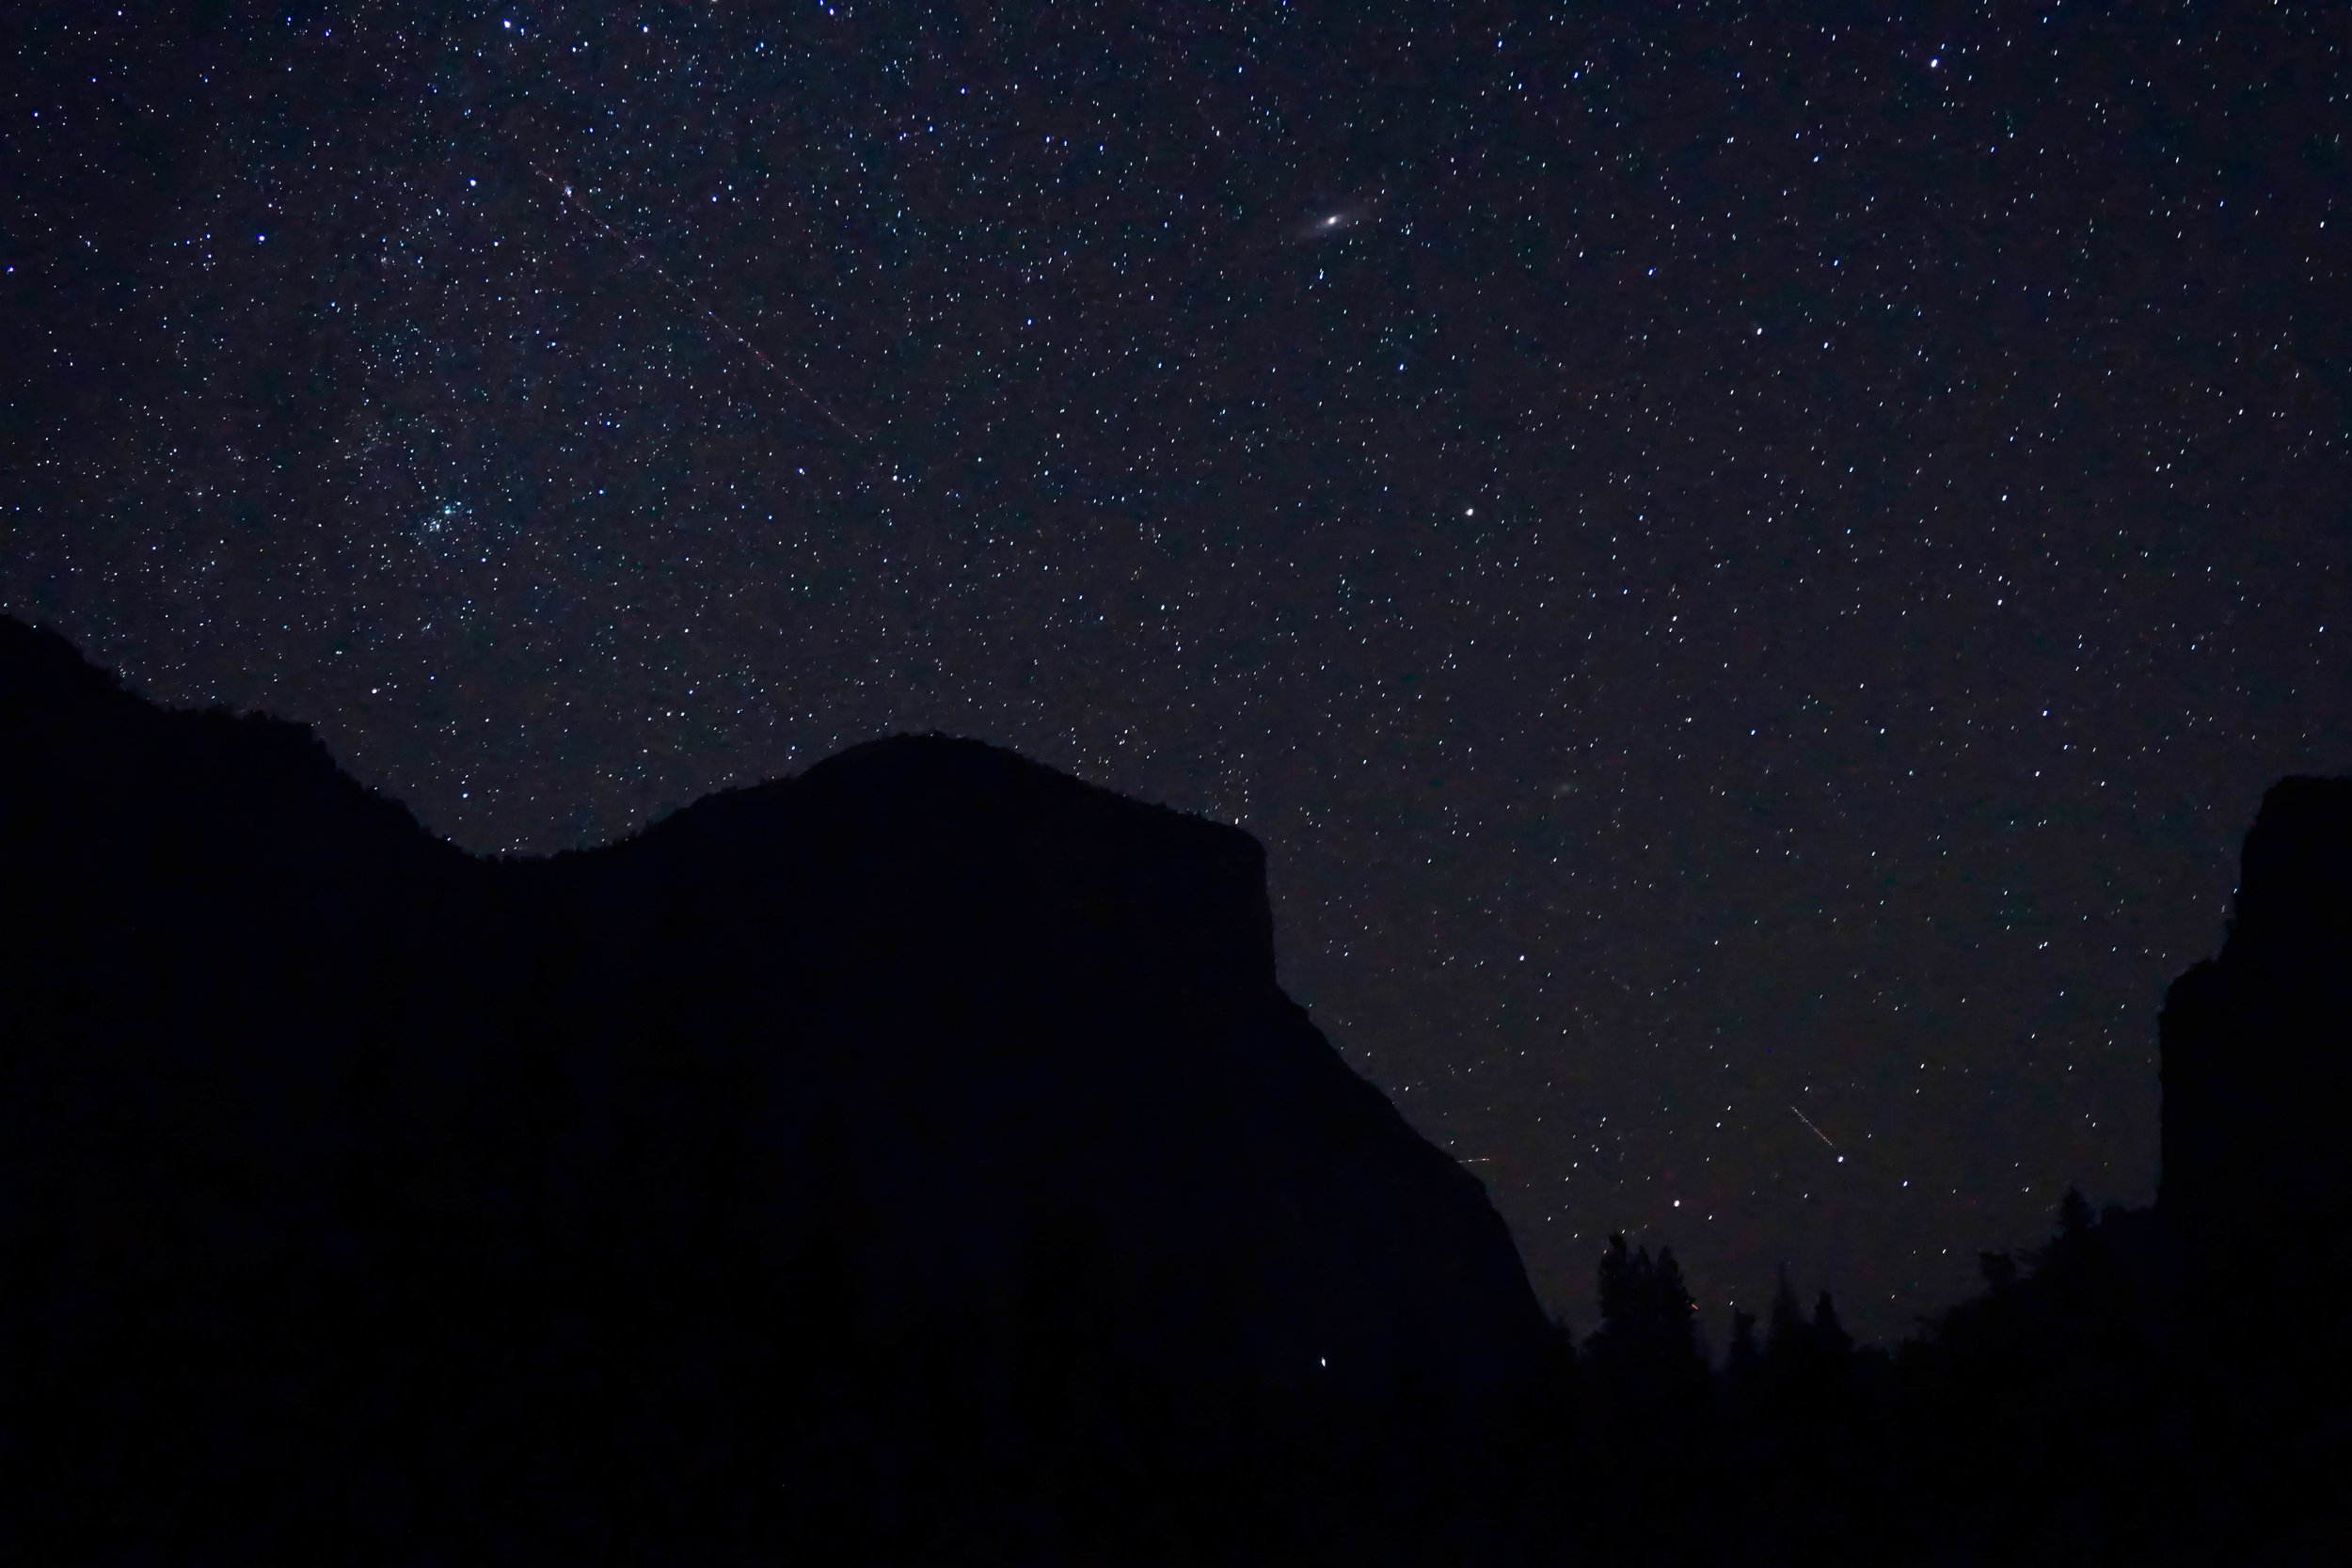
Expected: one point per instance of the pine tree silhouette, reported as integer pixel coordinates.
(1650, 1409)
(1743, 1358)
(1649, 1322)
(1789, 1325)
(1831, 1344)
(2074, 1217)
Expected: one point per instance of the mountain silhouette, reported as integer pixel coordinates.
(2257, 1055)
(912, 1160)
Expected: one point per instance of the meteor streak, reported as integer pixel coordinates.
(1809, 1121)
(721, 327)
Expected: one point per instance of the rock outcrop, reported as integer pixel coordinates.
(2257, 1058)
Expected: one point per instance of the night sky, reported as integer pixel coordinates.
(1749, 573)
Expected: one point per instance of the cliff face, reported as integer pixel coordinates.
(917, 1152)
(2257, 1046)
(1026, 1000)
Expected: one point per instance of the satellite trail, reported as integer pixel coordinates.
(683, 292)
(1809, 1121)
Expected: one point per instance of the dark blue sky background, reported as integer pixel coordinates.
(1737, 565)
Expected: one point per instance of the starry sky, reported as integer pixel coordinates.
(1749, 571)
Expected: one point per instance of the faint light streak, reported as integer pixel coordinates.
(718, 323)
(1809, 1121)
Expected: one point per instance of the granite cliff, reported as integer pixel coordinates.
(2257, 1059)
(912, 1159)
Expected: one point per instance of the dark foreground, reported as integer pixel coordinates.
(915, 1162)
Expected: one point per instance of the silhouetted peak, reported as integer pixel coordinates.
(2297, 874)
(100, 766)
(37, 665)
(2257, 1073)
(935, 760)
(950, 779)
(934, 782)
(934, 830)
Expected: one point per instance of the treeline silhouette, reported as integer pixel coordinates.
(915, 1162)
(2097, 1404)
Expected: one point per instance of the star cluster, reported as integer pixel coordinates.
(1749, 573)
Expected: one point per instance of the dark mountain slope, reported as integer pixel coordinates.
(2257, 1053)
(913, 1160)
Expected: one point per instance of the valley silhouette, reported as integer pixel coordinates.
(915, 1161)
